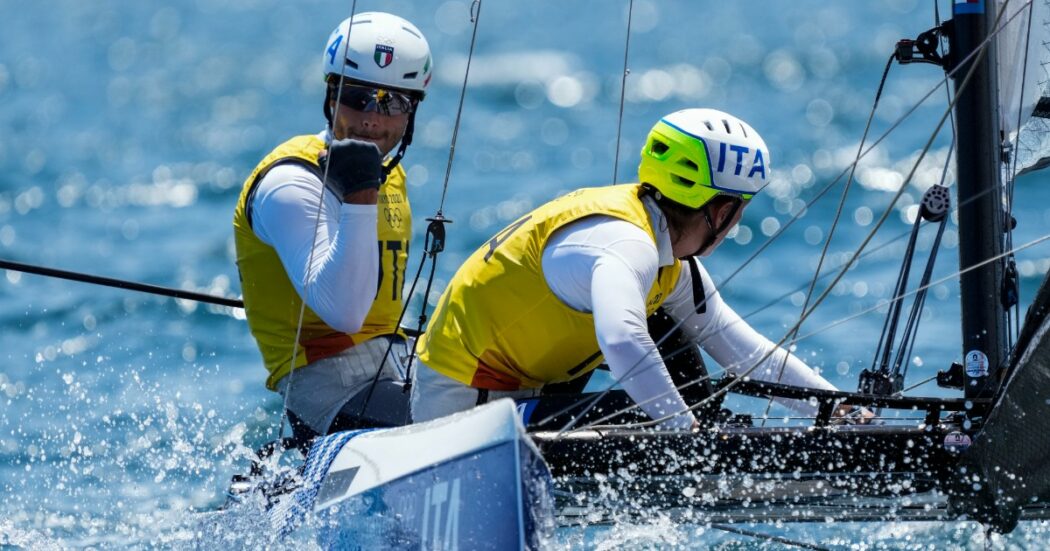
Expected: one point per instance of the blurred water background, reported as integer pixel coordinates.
(127, 128)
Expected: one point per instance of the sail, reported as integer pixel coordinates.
(1012, 476)
(1023, 55)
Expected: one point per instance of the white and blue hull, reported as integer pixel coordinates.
(468, 481)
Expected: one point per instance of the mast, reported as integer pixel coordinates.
(981, 226)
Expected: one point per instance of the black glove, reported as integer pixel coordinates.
(352, 165)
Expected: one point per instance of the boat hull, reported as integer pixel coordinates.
(480, 501)
(472, 480)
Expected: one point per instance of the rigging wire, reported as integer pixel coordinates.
(889, 325)
(997, 28)
(881, 360)
(911, 328)
(475, 14)
(239, 304)
(825, 275)
(623, 91)
(868, 253)
(835, 220)
(916, 385)
(871, 251)
(434, 242)
(795, 341)
(947, 87)
(880, 364)
(746, 373)
(979, 52)
(313, 245)
(949, 277)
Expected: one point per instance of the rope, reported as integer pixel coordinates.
(889, 326)
(1030, 244)
(978, 51)
(824, 275)
(912, 327)
(838, 216)
(313, 245)
(435, 237)
(623, 91)
(747, 372)
(966, 80)
(475, 14)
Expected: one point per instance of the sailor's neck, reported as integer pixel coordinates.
(658, 222)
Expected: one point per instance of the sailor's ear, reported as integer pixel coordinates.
(724, 211)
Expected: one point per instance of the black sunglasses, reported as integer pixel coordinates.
(380, 100)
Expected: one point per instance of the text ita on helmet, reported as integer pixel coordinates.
(379, 49)
(694, 155)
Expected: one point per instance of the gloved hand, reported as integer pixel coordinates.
(352, 165)
(852, 415)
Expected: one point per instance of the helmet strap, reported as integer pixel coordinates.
(328, 105)
(406, 140)
(715, 232)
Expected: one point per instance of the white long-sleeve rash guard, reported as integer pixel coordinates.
(606, 266)
(338, 280)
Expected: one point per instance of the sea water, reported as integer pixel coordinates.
(127, 128)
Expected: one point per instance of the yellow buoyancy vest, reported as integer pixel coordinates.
(498, 325)
(271, 302)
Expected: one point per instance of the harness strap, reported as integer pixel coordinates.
(314, 169)
(715, 232)
(406, 140)
(699, 297)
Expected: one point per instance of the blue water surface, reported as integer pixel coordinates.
(127, 128)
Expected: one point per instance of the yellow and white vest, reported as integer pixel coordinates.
(498, 325)
(271, 302)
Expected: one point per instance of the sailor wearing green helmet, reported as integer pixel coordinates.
(703, 162)
(573, 281)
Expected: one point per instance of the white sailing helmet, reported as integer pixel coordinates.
(381, 49)
(694, 155)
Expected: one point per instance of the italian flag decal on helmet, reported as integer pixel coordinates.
(384, 55)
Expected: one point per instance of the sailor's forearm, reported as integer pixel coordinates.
(341, 284)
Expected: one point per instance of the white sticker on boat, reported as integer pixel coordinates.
(957, 441)
(441, 503)
(976, 364)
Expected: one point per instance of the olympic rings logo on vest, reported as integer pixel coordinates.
(393, 216)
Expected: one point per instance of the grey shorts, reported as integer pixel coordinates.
(317, 391)
(435, 395)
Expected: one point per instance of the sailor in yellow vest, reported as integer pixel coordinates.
(325, 219)
(573, 281)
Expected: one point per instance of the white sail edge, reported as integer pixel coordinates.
(1023, 53)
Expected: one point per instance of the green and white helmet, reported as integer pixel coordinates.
(382, 50)
(694, 155)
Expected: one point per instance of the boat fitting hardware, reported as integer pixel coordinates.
(952, 378)
(935, 203)
(923, 49)
(1011, 285)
